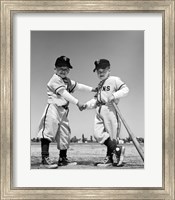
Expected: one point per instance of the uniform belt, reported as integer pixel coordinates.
(100, 103)
(65, 107)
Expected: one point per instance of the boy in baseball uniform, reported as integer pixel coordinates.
(54, 124)
(106, 122)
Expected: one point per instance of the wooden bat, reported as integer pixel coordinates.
(135, 142)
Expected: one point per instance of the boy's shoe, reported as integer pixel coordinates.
(108, 161)
(119, 155)
(48, 164)
(63, 161)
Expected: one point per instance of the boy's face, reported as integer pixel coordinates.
(103, 73)
(62, 71)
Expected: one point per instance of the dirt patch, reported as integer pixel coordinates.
(86, 155)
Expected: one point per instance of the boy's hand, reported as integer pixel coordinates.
(111, 98)
(81, 106)
(84, 106)
(94, 90)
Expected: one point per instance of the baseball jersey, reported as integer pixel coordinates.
(57, 84)
(110, 86)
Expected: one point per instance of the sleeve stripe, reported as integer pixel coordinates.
(121, 86)
(62, 86)
(73, 87)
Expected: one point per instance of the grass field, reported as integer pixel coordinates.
(86, 155)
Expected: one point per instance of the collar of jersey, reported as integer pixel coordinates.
(62, 78)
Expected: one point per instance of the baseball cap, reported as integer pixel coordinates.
(63, 61)
(101, 64)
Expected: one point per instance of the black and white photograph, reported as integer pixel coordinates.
(87, 99)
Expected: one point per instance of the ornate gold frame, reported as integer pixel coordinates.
(166, 8)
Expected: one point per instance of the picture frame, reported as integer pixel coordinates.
(8, 9)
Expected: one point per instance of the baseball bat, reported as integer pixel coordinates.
(134, 139)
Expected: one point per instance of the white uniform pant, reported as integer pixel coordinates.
(54, 126)
(106, 123)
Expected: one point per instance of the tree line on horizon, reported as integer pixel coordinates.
(83, 139)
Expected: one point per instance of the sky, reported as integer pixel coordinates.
(124, 50)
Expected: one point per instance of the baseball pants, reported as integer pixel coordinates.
(106, 123)
(54, 125)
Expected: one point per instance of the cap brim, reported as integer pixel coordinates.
(70, 66)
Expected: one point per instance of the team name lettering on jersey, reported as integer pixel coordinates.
(106, 88)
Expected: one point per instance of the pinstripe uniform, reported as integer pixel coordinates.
(54, 124)
(106, 119)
